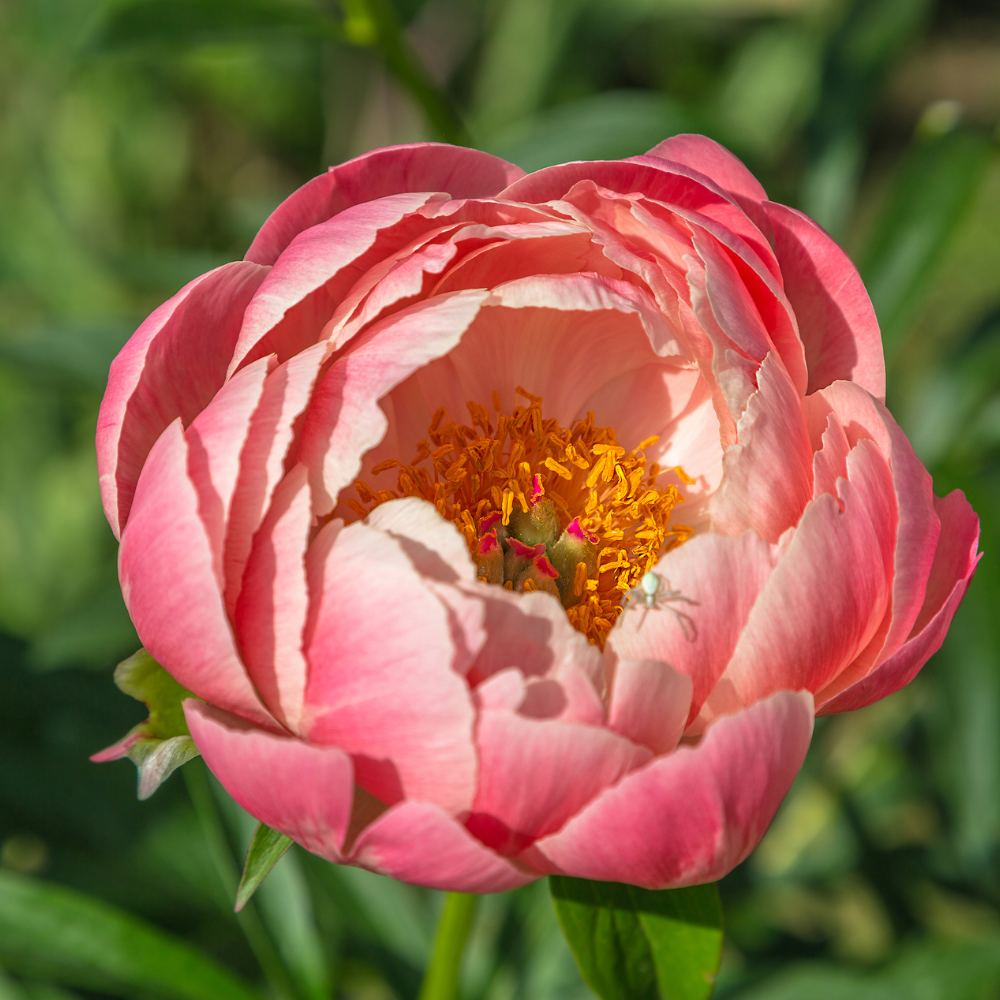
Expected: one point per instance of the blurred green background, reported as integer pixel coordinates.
(141, 144)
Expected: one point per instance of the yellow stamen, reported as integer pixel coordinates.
(470, 472)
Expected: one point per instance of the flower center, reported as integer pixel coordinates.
(544, 507)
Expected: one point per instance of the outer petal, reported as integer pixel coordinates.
(269, 441)
(836, 320)
(307, 282)
(303, 791)
(536, 773)
(171, 367)
(698, 152)
(166, 567)
(826, 597)
(382, 682)
(420, 166)
(954, 564)
(419, 843)
(692, 816)
(918, 526)
(674, 184)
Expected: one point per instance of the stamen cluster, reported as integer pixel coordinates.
(544, 507)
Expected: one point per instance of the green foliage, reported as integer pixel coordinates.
(936, 186)
(49, 931)
(638, 944)
(186, 22)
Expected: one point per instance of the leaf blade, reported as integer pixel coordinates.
(66, 937)
(267, 848)
(639, 944)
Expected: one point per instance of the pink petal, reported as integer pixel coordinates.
(825, 598)
(345, 420)
(720, 578)
(836, 321)
(422, 166)
(753, 322)
(650, 703)
(273, 605)
(692, 816)
(531, 631)
(303, 791)
(215, 440)
(675, 185)
(767, 478)
(419, 843)
(166, 566)
(435, 546)
(381, 679)
(318, 268)
(535, 774)
(171, 367)
(697, 152)
(286, 393)
(440, 555)
(954, 564)
(918, 525)
(543, 333)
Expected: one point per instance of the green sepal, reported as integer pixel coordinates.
(640, 944)
(163, 742)
(267, 848)
(142, 678)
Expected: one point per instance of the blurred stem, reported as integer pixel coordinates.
(222, 858)
(441, 978)
(374, 23)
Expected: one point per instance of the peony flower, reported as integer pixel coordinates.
(508, 524)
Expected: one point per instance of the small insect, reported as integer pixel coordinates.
(653, 596)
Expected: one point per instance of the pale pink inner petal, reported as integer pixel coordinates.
(650, 703)
(382, 684)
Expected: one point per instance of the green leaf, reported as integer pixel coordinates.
(267, 847)
(188, 22)
(640, 944)
(63, 936)
(935, 187)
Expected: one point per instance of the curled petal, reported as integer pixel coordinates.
(695, 814)
(420, 166)
(836, 320)
(419, 843)
(303, 791)
(171, 367)
(955, 562)
(650, 703)
(536, 773)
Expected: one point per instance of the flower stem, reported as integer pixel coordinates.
(441, 979)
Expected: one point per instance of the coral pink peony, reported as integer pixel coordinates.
(390, 491)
